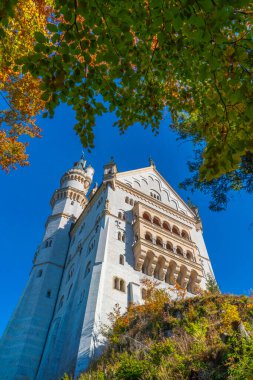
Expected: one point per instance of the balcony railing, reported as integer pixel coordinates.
(167, 252)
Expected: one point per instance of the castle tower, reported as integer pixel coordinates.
(25, 337)
(95, 254)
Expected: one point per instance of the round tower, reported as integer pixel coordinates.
(27, 332)
(70, 199)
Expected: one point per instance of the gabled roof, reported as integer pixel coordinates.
(148, 180)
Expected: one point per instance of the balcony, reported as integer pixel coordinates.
(166, 265)
(163, 249)
(161, 223)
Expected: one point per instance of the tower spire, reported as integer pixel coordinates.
(81, 163)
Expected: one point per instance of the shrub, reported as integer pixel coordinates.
(240, 358)
(130, 368)
(160, 350)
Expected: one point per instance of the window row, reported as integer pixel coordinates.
(169, 246)
(166, 226)
(65, 194)
(119, 284)
(71, 272)
(75, 177)
(155, 195)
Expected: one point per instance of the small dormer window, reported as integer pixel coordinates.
(155, 195)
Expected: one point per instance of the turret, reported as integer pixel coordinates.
(70, 199)
(110, 171)
(26, 334)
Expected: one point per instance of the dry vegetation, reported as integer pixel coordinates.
(206, 337)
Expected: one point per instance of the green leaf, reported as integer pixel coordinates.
(52, 28)
(40, 37)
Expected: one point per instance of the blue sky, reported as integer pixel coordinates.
(25, 196)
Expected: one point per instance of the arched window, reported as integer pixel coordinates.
(123, 238)
(88, 269)
(119, 236)
(127, 200)
(148, 236)
(120, 215)
(156, 221)
(122, 286)
(116, 283)
(69, 291)
(49, 243)
(171, 272)
(121, 259)
(158, 272)
(146, 216)
(175, 230)
(189, 255)
(193, 282)
(61, 302)
(185, 235)
(179, 251)
(119, 284)
(182, 276)
(39, 273)
(147, 265)
(166, 226)
(131, 202)
(169, 246)
(159, 242)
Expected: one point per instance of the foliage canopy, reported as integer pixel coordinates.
(23, 93)
(139, 59)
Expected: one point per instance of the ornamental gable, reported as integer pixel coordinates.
(150, 182)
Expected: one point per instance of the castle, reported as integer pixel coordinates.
(95, 251)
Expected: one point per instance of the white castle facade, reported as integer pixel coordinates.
(94, 254)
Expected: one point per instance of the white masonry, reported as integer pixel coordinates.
(95, 251)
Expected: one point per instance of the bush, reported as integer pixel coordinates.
(131, 368)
